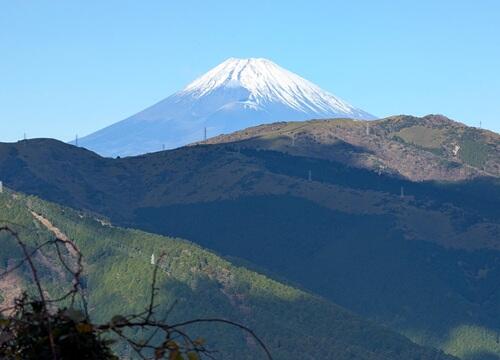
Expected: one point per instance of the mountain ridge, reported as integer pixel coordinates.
(236, 94)
(421, 257)
(433, 147)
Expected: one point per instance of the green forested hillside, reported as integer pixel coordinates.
(293, 323)
(324, 205)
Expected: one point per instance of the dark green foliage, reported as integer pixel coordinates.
(371, 268)
(400, 261)
(25, 335)
(473, 151)
(204, 285)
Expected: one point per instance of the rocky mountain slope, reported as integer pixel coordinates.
(429, 148)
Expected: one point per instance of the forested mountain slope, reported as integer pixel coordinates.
(117, 278)
(422, 257)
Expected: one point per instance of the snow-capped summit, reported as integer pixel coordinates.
(266, 82)
(234, 95)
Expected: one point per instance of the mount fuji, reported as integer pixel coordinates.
(234, 95)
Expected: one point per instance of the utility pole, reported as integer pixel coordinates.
(24, 136)
(205, 136)
(76, 140)
(310, 175)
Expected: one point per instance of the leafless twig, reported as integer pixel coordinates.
(173, 337)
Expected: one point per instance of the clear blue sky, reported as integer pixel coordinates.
(70, 67)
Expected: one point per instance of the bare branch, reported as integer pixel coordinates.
(145, 320)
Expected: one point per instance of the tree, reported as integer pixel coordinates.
(38, 327)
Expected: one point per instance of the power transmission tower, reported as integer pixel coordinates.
(126, 352)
